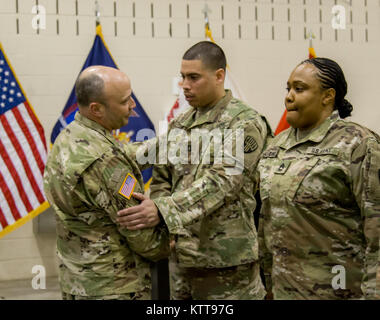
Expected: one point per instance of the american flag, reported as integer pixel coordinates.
(128, 186)
(22, 154)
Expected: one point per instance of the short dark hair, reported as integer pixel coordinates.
(331, 75)
(209, 53)
(89, 89)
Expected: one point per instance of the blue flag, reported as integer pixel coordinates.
(100, 55)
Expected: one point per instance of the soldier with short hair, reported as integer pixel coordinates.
(88, 178)
(206, 196)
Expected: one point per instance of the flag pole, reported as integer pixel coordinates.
(97, 13)
(206, 10)
(99, 32)
(311, 36)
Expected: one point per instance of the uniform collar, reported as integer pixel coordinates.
(288, 141)
(94, 126)
(211, 114)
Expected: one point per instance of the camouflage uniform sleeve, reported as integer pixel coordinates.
(161, 179)
(265, 256)
(102, 182)
(365, 170)
(160, 185)
(144, 153)
(220, 181)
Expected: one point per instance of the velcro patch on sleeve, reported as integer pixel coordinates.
(128, 186)
(250, 144)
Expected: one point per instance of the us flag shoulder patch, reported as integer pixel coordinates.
(128, 186)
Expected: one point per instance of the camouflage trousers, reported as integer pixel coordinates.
(142, 295)
(241, 282)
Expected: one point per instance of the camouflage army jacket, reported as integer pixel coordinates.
(85, 171)
(208, 204)
(319, 226)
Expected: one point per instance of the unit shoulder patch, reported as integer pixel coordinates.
(250, 144)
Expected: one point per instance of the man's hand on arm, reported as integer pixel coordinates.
(144, 215)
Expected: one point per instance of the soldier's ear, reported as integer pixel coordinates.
(329, 97)
(96, 109)
(220, 75)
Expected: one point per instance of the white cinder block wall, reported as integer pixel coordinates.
(263, 41)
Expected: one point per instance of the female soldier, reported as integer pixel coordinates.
(320, 188)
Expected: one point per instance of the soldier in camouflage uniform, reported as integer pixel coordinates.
(208, 205)
(319, 227)
(88, 178)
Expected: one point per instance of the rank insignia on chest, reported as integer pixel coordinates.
(283, 167)
(250, 144)
(128, 186)
(271, 153)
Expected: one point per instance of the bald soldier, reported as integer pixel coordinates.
(88, 178)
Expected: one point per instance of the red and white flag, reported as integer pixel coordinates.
(22, 154)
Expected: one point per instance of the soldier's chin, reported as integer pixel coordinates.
(291, 120)
(194, 104)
